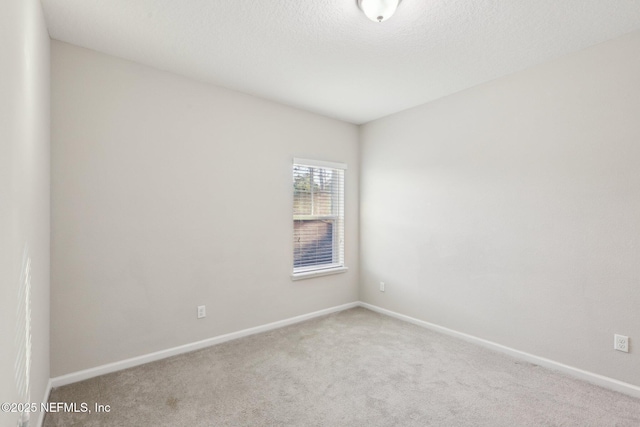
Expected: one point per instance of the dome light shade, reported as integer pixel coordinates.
(378, 10)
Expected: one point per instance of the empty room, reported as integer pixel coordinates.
(319, 213)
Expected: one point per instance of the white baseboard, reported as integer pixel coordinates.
(591, 377)
(596, 379)
(45, 399)
(163, 354)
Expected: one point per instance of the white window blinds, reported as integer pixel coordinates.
(318, 215)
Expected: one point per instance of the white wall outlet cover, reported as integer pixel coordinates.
(621, 343)
(202, 311)
(381, 286)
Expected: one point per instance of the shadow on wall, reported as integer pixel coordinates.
(23, 340)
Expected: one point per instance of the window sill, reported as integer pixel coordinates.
(318, 273)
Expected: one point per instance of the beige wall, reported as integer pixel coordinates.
(511, 211)
(24, 193)
(168, 194)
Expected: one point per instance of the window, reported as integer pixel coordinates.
(318, 218)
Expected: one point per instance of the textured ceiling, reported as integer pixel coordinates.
(327, 57)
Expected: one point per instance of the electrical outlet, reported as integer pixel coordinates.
(621, 343)
(202, 311)
(381, 286)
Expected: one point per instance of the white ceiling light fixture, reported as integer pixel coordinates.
(378, 10)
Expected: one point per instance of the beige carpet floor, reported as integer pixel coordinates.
(353, 368)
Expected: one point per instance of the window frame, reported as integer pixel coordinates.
(337, 219)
